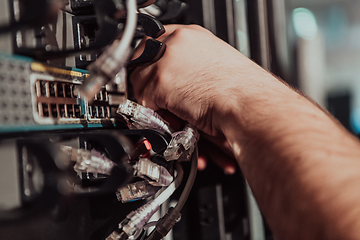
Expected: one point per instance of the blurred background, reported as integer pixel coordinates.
(324, 36)
(312, 44)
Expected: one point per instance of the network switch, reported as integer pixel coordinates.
(35, 96)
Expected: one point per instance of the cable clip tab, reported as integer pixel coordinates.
(182, 144)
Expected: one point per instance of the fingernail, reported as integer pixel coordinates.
(229, 170)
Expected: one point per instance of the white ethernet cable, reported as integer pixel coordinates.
(136, 220)
(155, 174)
(151, 10)
(136, 191)
(94, 162)
(119, 86)
(142, 117)
(182, 144)
(89, 161)
(113, 59)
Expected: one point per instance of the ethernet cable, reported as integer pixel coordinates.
(166, 223)
(117, 88)
(136, 191)
(152, 10)
(141, 117)
(182, 144)
(94, 162)
(155, 174)
(89, 161)
(113, 59)
(136, 220)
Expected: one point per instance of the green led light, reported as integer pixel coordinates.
(304, 23)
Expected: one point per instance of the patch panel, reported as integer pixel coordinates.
(33, 94)
(54, 100)
(100, 107)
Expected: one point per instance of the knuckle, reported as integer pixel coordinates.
(183, 32)
(134, 78)
(196, 27)
(188, 31)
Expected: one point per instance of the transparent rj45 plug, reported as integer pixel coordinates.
(182, 144)
(143, 117)
(136, 220)
(156, 175)
(89, 161)
(136, 191)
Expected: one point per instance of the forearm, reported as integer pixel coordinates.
(303, 168)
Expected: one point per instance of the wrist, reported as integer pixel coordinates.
(256, 109)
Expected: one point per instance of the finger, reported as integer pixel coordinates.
(202, 163)
(169, 29)
(141, 75)
(223, 161)
(216, 155)
(175, 122)
(148, 96)
(139, 48)
(221, 142)
(139, 78)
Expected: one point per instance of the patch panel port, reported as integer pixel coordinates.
(77, 111)
(70, 110)
(52, 89)
(94, 111)
(54, 111)
(60, 90)
(62, 110)
(101, 111)
(37, 88)
(45, 109)
(99, 96)
(104, 94)
(43, 88)
(108, 112)
(68, 91)
(73, 91)
(90, 111)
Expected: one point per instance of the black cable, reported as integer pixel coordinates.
(167, 222)
(180, 174)
(190, 182)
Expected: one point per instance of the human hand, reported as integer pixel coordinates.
(192, 79)
(281, 140)
(202, 79)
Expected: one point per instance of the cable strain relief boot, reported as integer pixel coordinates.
(165, 224)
